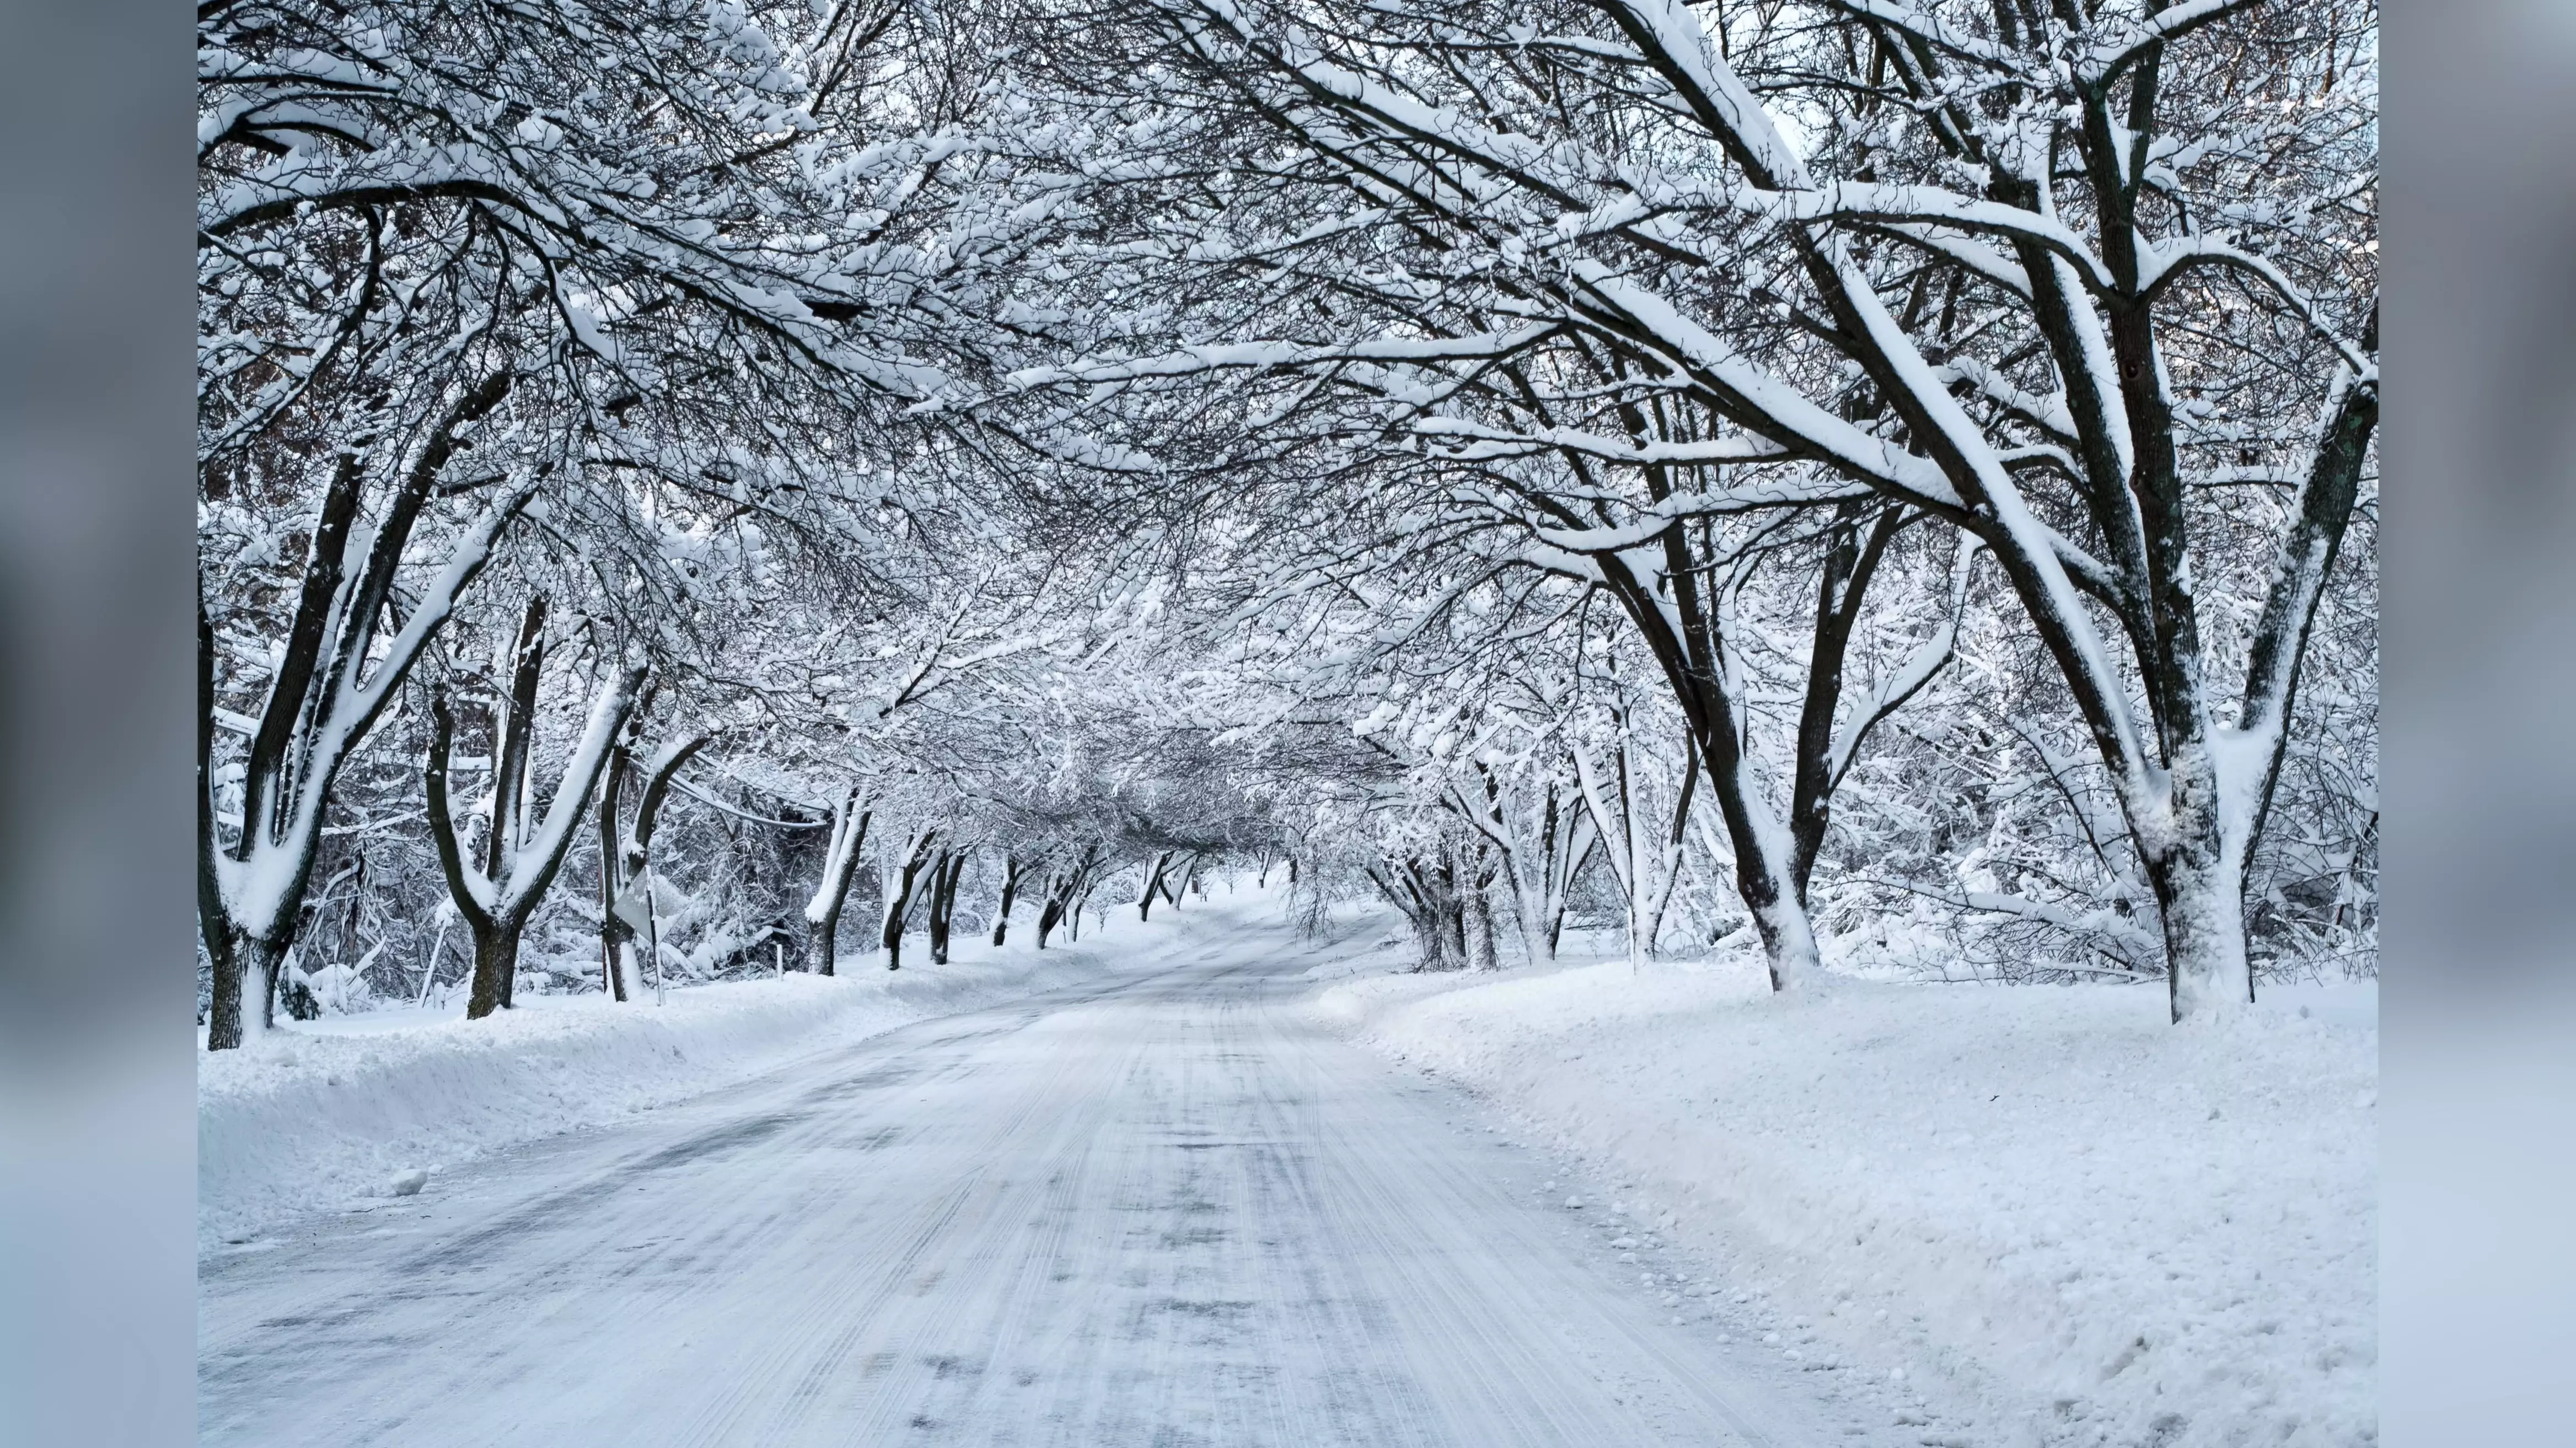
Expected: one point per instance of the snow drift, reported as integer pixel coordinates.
(2045, 1210)
(320, 1115)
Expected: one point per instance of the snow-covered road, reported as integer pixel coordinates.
(1156, 1209)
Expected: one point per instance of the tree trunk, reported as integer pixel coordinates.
(894, 940)
(245, 997)
(1429, 900)
(513, 897)
(1428, 942)
(630, 967)
(1076, 903)
(1762, 871)
(840, 864)
(496, 962)
(1153, 885)
(820, 942)
(1011, 872)
(2203, 905)
(613, 930)
(943, 902)
(2200, 893)
(1479, 930)
(1453, 916)
(899, 901)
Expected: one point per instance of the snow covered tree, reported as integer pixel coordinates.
(519, 859)
(575, 268)
(2088, 285)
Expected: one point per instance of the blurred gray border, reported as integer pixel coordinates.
(2478, 623)
(97, 1137)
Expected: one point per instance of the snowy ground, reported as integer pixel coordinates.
(2061, 1220)
(327, 1114)
(1163, 1195)
(1166, 1206)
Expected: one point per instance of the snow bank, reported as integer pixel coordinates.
(320, 1114)
(2060, 1219)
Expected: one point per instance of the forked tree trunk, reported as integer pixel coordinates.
(333, 680)
(244, 999)
(661, 769)
(1428, 943)
(1153, 885)
(496, 938)
(1428, 899)
(1064, 897)
(899, 900)
(943, 902)
(840, 866)
(497, 900)
(496, 961)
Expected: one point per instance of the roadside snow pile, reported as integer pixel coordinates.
(319, 1114)
(2083, 1225)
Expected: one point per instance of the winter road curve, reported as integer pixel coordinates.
(1164, 1208)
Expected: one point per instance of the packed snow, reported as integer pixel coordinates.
(2043, 1210)
(1157, 1206)
(324, 1114)
(1996, 1215)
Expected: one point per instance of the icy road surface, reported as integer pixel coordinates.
(1158, 1209)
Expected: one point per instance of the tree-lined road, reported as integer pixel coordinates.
(1165, 1208)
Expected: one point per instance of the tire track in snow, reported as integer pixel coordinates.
(1153, 1209)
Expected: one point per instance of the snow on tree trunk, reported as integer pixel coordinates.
(1154, 872)
(2192, 854)
(840, 866)
(243, 1001)
(1012, 868)
(322, 703)
(943, 902)
(1479, 929)
(497, 900)
(898, 881)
